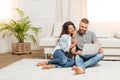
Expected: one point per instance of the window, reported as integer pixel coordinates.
(5, 9)
(103, 10)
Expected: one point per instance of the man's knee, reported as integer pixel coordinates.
(77, 57)
(100, 56)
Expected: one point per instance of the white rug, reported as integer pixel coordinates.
(26, 69)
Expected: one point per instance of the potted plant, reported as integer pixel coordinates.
(22, 30)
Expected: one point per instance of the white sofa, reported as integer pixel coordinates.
(108, 36)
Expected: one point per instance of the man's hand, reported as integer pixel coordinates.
(100, 50)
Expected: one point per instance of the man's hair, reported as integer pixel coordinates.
(85, 20)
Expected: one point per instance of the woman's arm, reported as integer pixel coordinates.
(65, 42)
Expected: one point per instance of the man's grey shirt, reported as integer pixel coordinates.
(88, 37)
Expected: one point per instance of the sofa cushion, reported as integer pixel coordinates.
(109, 42)
(48, 41)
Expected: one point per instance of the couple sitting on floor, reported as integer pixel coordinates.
(72, 41)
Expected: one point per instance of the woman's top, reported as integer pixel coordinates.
(64, 43)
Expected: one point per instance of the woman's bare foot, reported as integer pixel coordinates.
(42, 63)
(78, 70)
(48, 66)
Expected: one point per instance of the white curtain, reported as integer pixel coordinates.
(72, 10)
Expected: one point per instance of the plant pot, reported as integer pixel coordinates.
(20, 48)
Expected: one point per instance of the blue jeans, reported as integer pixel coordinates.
(60, 59)
(85, 61)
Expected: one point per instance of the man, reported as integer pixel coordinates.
(84, 36)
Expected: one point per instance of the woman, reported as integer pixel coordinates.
(61, 51)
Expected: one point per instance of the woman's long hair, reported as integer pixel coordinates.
(65, 28)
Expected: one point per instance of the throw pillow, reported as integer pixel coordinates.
(117, 35)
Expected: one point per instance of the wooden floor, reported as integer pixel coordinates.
(8, 58)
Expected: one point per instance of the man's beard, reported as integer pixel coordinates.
(81, 32)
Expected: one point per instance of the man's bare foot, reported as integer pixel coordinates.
(42, 63)
(78, 70)
(48, 66)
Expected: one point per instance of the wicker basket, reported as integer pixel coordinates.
(20, 48)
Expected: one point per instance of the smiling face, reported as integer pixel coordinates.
(71, 29)
(83, 28)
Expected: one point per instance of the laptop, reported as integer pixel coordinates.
(91, 48)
